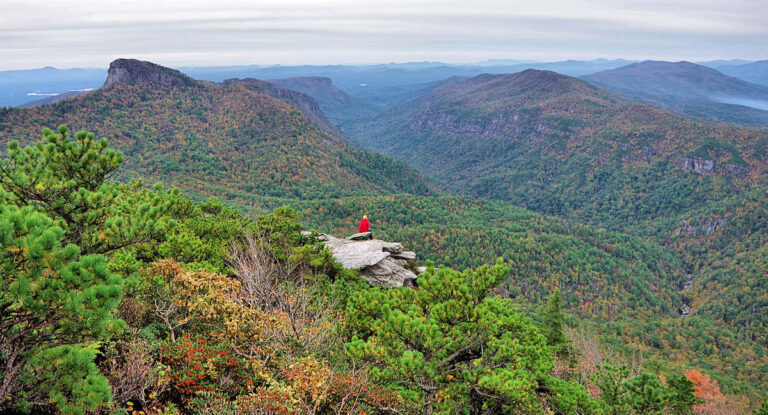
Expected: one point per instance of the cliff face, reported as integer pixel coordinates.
(133, 71)
(301, 101)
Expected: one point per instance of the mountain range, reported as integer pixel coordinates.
(640, 216)
(755, 72)
(694, 90)
(560, 146)
(227, 139)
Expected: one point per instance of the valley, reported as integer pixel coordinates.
(651, 225)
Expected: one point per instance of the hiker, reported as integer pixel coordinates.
(364, 225)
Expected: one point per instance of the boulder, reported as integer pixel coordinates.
(381, 263)
(360, 236)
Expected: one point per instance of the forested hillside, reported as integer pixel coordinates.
(229, 140)
(122, 299)
(336, 104)
(259, 146)
(602, 274)
(559, 146)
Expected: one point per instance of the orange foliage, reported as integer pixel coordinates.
(705, 387)
(715, 401)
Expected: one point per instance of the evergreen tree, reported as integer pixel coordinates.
(55, 305)
(613, 393)
(680, 396)
(66, 179)
(763, 409)
(453, 347)
(646, 394)
(553, 319)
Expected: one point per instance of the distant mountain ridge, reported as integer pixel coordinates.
(755, 72)
(336, 104)
(233, 140)
(14, 85)
(514, 136)
(305, 103)
(696, 90)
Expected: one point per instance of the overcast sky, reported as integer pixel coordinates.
(85, 33)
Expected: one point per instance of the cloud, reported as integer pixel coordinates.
(35, 33)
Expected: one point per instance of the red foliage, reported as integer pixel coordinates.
(198, 366)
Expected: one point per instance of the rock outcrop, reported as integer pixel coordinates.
(686, 228)
(383, 264)
(133, 71)
(697, 164)
(703, 166)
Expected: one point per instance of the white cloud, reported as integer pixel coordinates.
(36, 33)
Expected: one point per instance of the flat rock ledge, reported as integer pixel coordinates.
(382, 264)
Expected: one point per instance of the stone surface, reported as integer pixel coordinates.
(360, 236)
(407, 255)
(697, 164)
(381, 263)
(133, 71)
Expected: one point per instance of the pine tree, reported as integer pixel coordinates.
(646, 394)
(611, 380)
(680, 396)
(553, 319)
(453, 347)
(66, 179)
(55, 305)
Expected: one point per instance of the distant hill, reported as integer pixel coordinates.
(335, 103)
(390, 96)
(720, 62)
(559, 145)
(56, 98)
(15, 86)
(305, 103)
(230, 140)
(692, 89)
(755, 72)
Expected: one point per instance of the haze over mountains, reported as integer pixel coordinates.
(695, 90)
(755, 72)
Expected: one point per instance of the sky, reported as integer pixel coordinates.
(86, 33)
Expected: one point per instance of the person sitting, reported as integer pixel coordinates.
(365, 226)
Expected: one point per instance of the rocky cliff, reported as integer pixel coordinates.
(133, 71)
(383, 264)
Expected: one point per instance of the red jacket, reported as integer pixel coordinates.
(364, 226)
